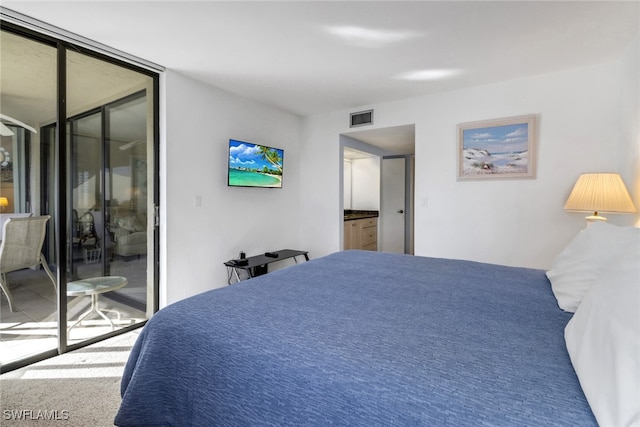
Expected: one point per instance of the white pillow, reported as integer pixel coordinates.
(603, 340)
(580, 263)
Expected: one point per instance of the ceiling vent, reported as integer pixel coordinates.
(361, 118)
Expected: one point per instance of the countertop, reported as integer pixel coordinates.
(350, 214)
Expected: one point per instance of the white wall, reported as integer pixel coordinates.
(629, 116)
(346, 168)
(512, 222)
(365, 184)
(516, 222)
(199, 120)
(321, 188)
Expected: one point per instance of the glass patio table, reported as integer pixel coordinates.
(94, 286)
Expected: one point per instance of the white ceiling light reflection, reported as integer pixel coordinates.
(426, 75)
(368, 37)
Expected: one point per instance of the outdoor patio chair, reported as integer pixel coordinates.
(21, 248)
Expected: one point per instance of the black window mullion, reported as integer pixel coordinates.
(156, 193)
(61, 208)
(105, 140)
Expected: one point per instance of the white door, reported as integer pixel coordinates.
(392, 210)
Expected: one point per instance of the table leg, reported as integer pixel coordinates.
(95, 309)
(306, 257)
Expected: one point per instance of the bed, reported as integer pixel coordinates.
(360, 338)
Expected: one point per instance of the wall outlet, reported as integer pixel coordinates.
(197, 201)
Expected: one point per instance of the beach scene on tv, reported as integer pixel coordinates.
(496, 150)
(252, 165)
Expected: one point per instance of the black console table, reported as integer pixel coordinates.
(259, 264)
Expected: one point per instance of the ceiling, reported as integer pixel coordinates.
(308, 57)
(28, 82)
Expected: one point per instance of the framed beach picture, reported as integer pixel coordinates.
(500, 148)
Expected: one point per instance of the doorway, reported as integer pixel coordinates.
(395, 148)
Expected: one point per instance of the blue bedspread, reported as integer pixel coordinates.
(361, 339)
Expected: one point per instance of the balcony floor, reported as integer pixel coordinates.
(32, 328)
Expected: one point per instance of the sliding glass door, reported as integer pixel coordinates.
(28, 71)
(109, 200)
(91, 168)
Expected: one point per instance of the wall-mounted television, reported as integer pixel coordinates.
(254, 165)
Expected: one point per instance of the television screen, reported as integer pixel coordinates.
(253, 165)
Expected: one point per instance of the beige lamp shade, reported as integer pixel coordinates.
(4, 202)
(599, 192)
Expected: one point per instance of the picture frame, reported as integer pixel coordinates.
(497, 149)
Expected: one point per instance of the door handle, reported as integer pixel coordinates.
(401, 211)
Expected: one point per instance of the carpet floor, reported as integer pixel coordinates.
(80, 388)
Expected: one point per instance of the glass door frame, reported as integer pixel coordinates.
(61, 208)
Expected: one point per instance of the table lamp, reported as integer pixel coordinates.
(599, 192)
(4, 202)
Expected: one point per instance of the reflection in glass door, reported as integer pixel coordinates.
(127, 197)
(85, 248)
(109, 274)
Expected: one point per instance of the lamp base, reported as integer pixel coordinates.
(594, 218)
